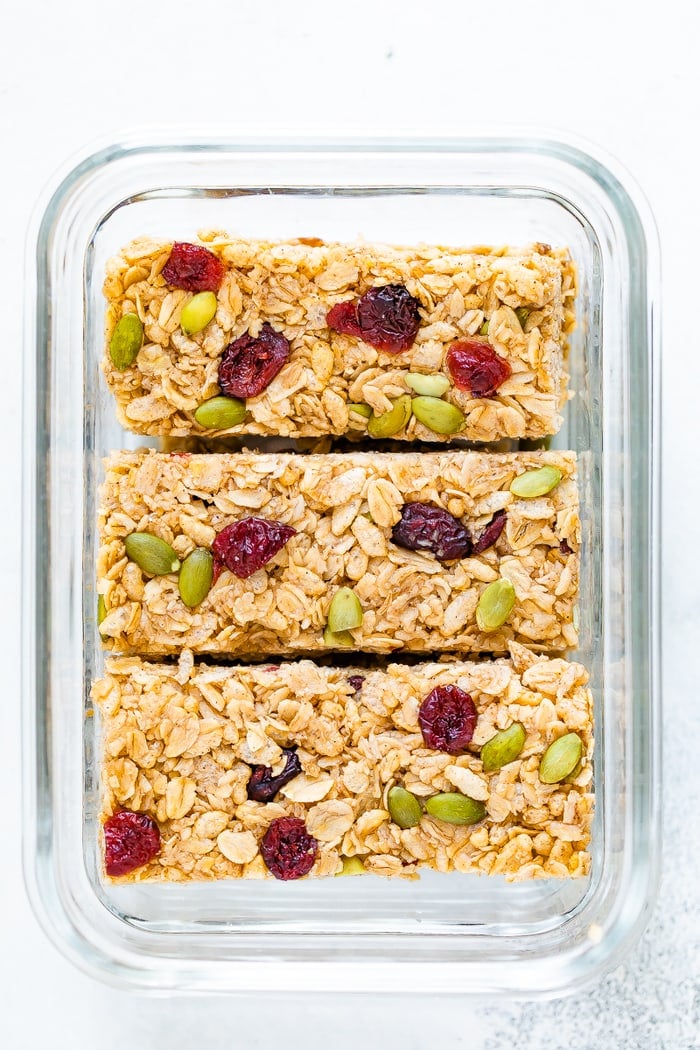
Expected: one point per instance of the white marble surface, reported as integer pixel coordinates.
(623, 75)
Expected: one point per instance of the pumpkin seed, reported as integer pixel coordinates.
(439, 416)
(503, 748)
(455, 808)
(126, 341)
(561, 758)
(151, 553)
(495, 605)
(535, 483)
(484, 330)
(198, 312)
(404, 808)
(101, 609)
(360, 410)
(341, 640)
(220, 413)
(432, 386)
(352, 866)
(195, 577)
(522, 313)
(344, 612)
(389, 423)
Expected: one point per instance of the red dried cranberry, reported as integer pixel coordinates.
(386, 317)
(249, 364)
(356, 682)
(424, 527)
(262, 786)
(447, 718)
(565, 548)
(287, 848)
(475, 366)
(248, 544)
(343, 318)
(193, 268)
(491, 533)
(131, 840)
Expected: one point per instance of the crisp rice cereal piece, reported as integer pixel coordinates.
(532, 830)
(410, 600)
(293, 285)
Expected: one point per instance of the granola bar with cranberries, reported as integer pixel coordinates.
(260, 771)
(253, 554)
(306, 339)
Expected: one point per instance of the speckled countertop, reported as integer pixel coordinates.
(624, 78)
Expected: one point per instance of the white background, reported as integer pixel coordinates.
(627, 77)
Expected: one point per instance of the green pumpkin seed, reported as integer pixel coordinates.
(126, 341)
(535, 483)
(495, 605)
(341, 640)
(561, 758)
(220, 413)
(198, 312)
(438, 416)
(352, 866)
(404, 808)
(454, 808)
(151, 553)
(101, 608)
(484, 330)
(389, 423)
(344, 612)
(503, 748)
(195, 577)
(360, 410)
(432, 386)
(522, 313)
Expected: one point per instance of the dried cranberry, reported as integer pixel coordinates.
(343, 318)
(475, 366)
(262, 786)
(386, 317)
(131, 840)
(248, 544)
(356, 681)
(447, 718)
(193, 268)
(249, 364)
(424, 527)
(565, 548)
(491, 533)
(287, 848)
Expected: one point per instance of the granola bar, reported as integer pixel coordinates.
(519, 301)
(178, 744)
(341, 511)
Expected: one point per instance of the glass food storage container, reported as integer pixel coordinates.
(444, 933)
